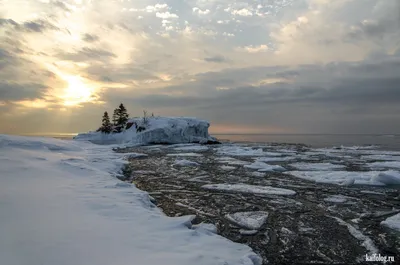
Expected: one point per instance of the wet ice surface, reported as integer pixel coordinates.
(329, 206)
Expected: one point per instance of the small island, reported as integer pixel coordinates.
(148, 129)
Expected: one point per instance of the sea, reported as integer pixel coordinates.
(384, 142)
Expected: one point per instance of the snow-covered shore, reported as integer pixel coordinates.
(157, 130)
(60, 205)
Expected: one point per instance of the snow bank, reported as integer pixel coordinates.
(158, 130)
(59, 205)
(245, 188)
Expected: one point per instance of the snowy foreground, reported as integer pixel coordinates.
(157, 130)
(60, 205)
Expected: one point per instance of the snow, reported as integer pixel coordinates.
(249, 220)
(186, 163)
(263, 167)
(379, 178)
(245, 188)
(60, 205)
(392, 222)
(316, 166)
(159, 130)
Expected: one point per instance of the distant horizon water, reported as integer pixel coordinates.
(318, 140)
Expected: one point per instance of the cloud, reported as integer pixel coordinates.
(216, 59)
(90, 37)
(166, 15)
(19, 91)
(254, 49)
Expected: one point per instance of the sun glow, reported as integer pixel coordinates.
(77, 91)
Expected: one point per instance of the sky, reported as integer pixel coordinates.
(260, 66)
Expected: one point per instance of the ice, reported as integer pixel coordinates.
(367, 243)
(275, 159)
(384, 165)
(54, 213)
(256, 174)
(231, 161)
(389, 177)
(381, 157)
(192, 148)
(248, 232)
(316, 166)
(234, 150)
(245, 188)
(186, 163)
(159, 130)
(249, 220)
(392, 222)
(227, 168)
(185, 154)
(211, 228)
(336, 199)
(263, 167)
(378, 178)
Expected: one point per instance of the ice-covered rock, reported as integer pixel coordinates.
(158, 130)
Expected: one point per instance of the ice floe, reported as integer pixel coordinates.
(316, 166)
(245, 188)
(192, 148)
(249, 220)
(349, 177)
(392, 222)
(384, 165)
(227, 168)
(263, 167)
(185, 163)
(234, 150)
(336, 198)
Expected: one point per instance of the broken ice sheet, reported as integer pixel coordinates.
(316, 166)
(245, 188)
(249, 220)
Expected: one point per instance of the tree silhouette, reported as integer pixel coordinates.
(106, 126)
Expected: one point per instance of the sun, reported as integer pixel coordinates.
(77, 91)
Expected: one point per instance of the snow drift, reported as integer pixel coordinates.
(59, 205)
(156, 130)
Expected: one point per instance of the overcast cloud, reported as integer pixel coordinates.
(290, 66)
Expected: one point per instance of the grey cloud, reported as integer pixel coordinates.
(216, 59)
(10, 91)
(33, 26)
(90, 37)
(87, 53)
(359, 92)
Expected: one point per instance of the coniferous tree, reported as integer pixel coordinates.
(115, 117)
(123, 115)
(106, 125)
